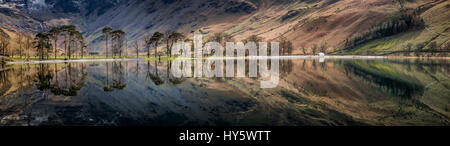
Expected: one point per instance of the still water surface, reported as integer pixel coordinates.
(310, 92)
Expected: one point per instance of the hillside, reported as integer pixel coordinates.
(306, 23)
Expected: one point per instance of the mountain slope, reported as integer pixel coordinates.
(306, 23)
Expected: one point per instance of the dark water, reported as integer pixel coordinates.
(310, 92)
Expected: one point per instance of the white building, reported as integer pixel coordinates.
(321, 54)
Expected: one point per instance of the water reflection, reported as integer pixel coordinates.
(117, 77)
(153, 74)
(406, 87)
(311, 92)
(67, 81)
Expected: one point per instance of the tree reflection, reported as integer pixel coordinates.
(285, 67)
(172, 79)
(5, 84)
(72, 81)
(44, 77)
(154, 76)
(118, 76)
(16, 78)
(107, 87)
(136, 70)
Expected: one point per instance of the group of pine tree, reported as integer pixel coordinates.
(45, 45)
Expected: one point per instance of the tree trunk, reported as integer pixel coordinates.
(106, 37)
(76, 48)
(70, 45)
(42, 53)
(65, 45)
(156, 49)
(20, 50)
(56, 47)
(148, 52)
(126, 47)
(168, 49)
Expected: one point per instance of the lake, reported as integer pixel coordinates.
(310, 92)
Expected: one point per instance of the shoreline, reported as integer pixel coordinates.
(227, 58)
(69, 61)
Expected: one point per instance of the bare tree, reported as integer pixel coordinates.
(148, 43)
(324, 47)
(221, 38)
(28, 45)
(4, 43)
(285, 46)
(126, 46)
(303, 48)
(433, 46)
(136, 47)
(445, 47)
(254, 38)
(19, 41)
(408, 49)
(419, 48)
(314, 49)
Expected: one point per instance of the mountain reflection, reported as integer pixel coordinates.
(311, 92)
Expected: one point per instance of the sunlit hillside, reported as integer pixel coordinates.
(340, 26)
